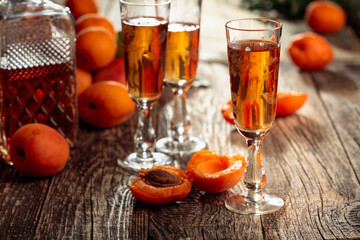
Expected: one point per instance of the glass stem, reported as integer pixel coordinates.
(180, 123)
(254, 178)
(145, 133)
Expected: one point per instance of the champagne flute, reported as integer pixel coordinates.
(144, 27)
(180, 72)
(253, 55)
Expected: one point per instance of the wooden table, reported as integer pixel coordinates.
(311, 159)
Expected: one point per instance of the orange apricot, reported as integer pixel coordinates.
(38, 150)
(325, 16)
(81, 7)
(226, 111)
(83, 80)
(105, 104)
(95, 48)
(213, 173)
(95, 20)
(161, 185)
(286, 103)
(310, 51)
(289, 102)
(114, 71)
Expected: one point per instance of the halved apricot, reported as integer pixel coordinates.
(161, 185)
(214, 173)
(226, 111)
(289, 102)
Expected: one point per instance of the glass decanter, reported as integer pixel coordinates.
(37, 69)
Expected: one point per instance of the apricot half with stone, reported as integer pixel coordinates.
(161, 185)
(214, 173)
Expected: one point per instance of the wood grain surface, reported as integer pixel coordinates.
(311, 159)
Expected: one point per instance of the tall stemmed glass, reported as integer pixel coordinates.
(180, 72)
(253, 54)
(144, 27)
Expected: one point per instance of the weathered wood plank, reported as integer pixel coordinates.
(322, 182)
(21, 203)
(311, 160)
(90, 199)
(339, 87)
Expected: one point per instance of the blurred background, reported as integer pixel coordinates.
(295, 9)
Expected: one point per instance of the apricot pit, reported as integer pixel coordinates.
(161, 178)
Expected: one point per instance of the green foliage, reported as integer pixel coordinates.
(293, 9)
(120, 45)
(287, 8)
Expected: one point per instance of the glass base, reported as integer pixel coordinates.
(170, 146)
(133, 163)
(241, 204)
(6, 158)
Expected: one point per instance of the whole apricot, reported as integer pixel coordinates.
(114, 71)
(95, 20)
(81, 7)
(325, 16)
(83, 80)
(105, 104)
(95, 48)
(310, 51)
(38, 150)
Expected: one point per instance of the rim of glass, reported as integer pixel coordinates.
(253, 30)
(144, 3)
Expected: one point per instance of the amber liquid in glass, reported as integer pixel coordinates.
(181, 54)
(145, 43)
(253, 75)
(43, 94)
